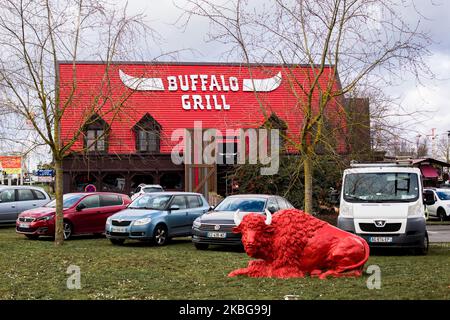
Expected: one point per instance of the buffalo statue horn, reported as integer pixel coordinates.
(237, 220)
(268, 217)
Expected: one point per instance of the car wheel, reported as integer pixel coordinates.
(32, 236)
(201, 246)
(68, 229)
(441, 214)
(423, 250)
(117, 242)
(160, 235)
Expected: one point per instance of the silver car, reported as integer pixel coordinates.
(16, 199)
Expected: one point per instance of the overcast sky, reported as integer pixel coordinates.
(431, 96)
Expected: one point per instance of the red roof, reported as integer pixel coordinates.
(122, 107)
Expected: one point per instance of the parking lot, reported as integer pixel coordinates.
(439, 233)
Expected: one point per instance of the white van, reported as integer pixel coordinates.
(384, 204)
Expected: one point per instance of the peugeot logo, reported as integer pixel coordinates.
(380, 223)
(217, 227)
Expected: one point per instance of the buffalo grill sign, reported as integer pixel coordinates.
(205, 86)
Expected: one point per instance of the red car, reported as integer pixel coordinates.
(83, 213)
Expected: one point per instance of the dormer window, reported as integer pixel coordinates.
(147, 132)
(95, 138)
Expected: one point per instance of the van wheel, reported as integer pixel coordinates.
(423, 250)
(201, 246)
(117, 242)
(441, 214)
(160, 236)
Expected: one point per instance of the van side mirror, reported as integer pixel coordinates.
(80, 207)
(428, 198)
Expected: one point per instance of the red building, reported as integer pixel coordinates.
(121, 117)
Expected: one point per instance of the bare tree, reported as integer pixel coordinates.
(359, 42)
(35, 36)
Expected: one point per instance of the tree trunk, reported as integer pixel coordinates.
(59, 226)
(308, 171)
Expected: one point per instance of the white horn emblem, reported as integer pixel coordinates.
(268, 217)
(262, 85)
(237, 220)
(141, 84)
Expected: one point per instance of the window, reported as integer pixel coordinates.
(148, 141)
(39, 195)
(91, 202)
(95, 140)
(282, 203)
(25, 195)
(96, 130)
(110, 200)
(147, 131)
(194, 201)
(179, 201)
(152, 189)
(7, 195)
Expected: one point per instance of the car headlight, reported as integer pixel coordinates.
(141, 222)
(197, 223)
(416, 210)
(346, 210)
(108, 221)
(46, 218)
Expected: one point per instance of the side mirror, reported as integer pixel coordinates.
(174, 207)
(428, 198)
(131, 193)
(272, 209)
(80, 207)
(211, 208)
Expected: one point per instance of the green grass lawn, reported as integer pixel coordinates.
(37, 270)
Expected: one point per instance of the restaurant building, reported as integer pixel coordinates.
(120, 119)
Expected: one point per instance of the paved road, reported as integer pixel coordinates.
(439, 233)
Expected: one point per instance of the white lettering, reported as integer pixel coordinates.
(184, 86)
(172, 81)
(214, 83)
(194, 80)
(234, 84)
(204, 81)
(197, 102)
(185, 102)
(224, 86)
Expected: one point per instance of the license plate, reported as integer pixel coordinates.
(119, 229)
(216, 234)
(24, 225)
(380, 239)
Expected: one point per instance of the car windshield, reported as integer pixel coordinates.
(68, 201)
(148, 201)
(152, 189)
(243, 204)
(443, 195)
(381, 187)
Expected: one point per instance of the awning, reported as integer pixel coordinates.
(429, 171)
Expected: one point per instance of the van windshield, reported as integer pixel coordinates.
(381, 187)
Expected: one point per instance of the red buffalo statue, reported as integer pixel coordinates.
(292, 243)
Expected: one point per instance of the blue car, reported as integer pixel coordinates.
(156, 217)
